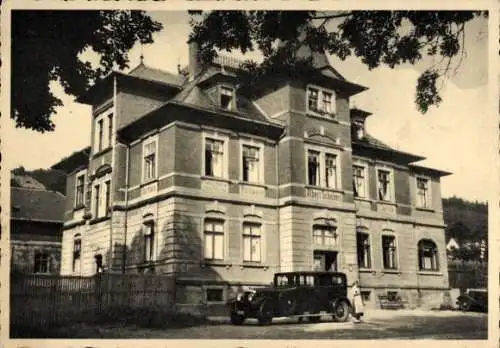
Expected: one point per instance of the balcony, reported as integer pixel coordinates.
(323, 194)
(362, 204)
(252, 190)
(387, 208)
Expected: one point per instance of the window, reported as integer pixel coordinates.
(423, 193)
(359, 181)
(42, 263)
(318, 163)
(331, 170)
(100, 130)
(80, 190)
(214, 158)
(215, 295)
(320, 100)
(102, 198)
(389, 252)
(365, 295)
(214, 240)
(103, 131)
(251, 163)
(77, 249)
(384, 185)
(252, 242)
(227, 98)
(357, 131)
(148, 242)
(110, 129)
(324, 235)
(427, 255)
(149, 160)
(313, 167)
(363, 245)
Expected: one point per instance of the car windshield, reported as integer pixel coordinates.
(292, 280)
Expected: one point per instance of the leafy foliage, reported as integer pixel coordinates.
(391, 38)
(47, 45)
(53, 180)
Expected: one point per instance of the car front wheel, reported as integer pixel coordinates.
(341, 311)
(237, 319)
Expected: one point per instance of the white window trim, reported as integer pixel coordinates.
(326, 247)
(321, 90)
(103, 115)
(396, 241)
(154, 245)
(225, 162)
(370, 243)
(429, 191)
(260, 146)
(392, 186)
(367, 181)
(225, 248)
(147, 141)
(77, 175)
(262, 242)
(100, 182)
(323, 151)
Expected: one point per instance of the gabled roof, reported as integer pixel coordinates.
(76, 160)
(37, 205)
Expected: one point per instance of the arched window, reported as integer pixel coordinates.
(148, 229)
(427, 255)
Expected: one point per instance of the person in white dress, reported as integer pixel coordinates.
(357, 301)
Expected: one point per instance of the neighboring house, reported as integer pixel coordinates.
(26, 181)
(36, 230)
(222, 187)
(452, 245)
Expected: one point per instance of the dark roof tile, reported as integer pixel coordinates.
(37, 205)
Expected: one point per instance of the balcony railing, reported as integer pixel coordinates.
(326, 194)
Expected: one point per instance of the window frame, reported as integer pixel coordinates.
(396, 254)
(429, 192)
(45, 257)
(252, 236)
(323, 228)
(233, 95)
(79, 174)
(149, 233)
(319, 102)
(212, 234)
(260, 147)
(435, 256)
(323, 153)
(214, 287)
(392, 186)
(102, 183)
(77, 256)
(370, 254)
(225, 154)
(366, 181)
(145, 143)
(102, 138)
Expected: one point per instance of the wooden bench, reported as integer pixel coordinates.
(387, 303)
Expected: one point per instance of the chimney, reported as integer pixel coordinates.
(194, 61)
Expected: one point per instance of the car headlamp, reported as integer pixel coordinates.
(250, 296)
(239, 297)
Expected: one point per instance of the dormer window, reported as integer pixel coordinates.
(227, 98)
(320, 100)
(358, 131)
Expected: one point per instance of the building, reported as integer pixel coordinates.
(36, 224)
(194, 177)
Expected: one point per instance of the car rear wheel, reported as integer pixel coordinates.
(237, 319)
(340, 311)
(265, 314)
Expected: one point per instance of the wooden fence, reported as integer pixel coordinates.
(43, 301)
(463, 275)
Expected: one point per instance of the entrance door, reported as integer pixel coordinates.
(325, 261)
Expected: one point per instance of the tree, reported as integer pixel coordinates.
(47, 46)
(391, 38)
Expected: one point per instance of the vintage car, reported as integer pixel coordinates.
(475, 300)
(294, 294)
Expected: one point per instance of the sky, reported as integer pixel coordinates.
(458, 136)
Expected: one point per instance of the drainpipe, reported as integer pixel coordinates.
(124, 256)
